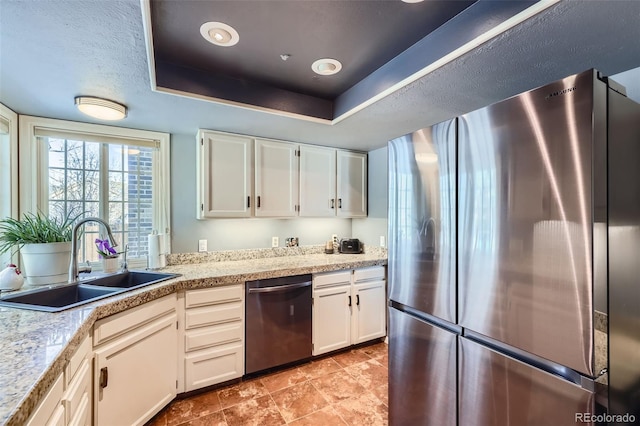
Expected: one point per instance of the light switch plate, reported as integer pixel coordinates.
(382, 241)
(202, 245)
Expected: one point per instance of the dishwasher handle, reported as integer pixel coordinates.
(279, 288)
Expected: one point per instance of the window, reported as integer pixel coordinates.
(120, 176)
(8, 170)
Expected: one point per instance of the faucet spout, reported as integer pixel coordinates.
(73, 265)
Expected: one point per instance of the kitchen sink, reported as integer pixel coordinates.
(130, 279)
(55, 299)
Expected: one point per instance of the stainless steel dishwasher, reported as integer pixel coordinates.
(278, 322)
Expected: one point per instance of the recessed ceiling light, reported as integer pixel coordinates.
(326, 66)
(412, 1)
(219, 34)
(102, 109)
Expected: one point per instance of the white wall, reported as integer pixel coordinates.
(371, 228)
(231, 234)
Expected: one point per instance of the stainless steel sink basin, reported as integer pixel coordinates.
(130, 279)
(75, 294)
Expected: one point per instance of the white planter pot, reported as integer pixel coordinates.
(47, 263)
(109, 264)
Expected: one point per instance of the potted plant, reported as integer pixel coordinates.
(44, 243)
(108, 255)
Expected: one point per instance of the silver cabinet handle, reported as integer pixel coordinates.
(333, 203)
(279, 288)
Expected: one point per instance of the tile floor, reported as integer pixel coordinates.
(349, 388)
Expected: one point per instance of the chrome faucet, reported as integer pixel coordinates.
(73, 266)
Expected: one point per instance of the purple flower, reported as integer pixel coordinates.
(104, 248)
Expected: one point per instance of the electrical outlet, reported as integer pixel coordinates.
(275, 241)
(382, 241)
(202, 245)
(334, 238)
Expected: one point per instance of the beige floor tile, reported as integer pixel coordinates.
(214, 419)
(283, 379)
(375, 351)
(298, 401)
(346, 359)
(325, 417)
(206, 403)
(338, 386)
(364, 410)
(320, 367)
(370, 374)
(261, 411)
(241, 392)
(382, 393)
(180, 411)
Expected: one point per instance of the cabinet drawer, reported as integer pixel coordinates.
(366, 274)
(119, 324)
(50, 406)
(205, 337)
(331, 279)
(215, 314)
(211, 366)
(83, 413)
(78, 388)
(210, 296)
(76, 360)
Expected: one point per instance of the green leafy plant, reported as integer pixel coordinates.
(35, 228)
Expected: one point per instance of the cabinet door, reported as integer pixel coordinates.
(352, 184)
(214, 365)
(276, 179)
(331, 319)
(50, 411)
(135, 375)
(369, 311)
(225, 175)
(317, 181)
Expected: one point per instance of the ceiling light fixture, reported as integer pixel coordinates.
(102, 109)
(219, 34)
(412, 1)
(326, 66)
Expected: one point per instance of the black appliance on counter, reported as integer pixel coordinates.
(350, 246)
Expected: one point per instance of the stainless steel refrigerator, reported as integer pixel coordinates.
(514, 299)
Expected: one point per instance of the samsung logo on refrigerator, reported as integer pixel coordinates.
(559, 93)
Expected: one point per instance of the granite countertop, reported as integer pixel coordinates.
(37, 345)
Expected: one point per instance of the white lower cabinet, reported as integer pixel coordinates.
(68, 401)
(349, 307)
(212, 336)
(50, 411)
(135, 363)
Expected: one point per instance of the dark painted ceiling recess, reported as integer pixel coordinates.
(367, 37)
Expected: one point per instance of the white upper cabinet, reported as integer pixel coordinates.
(225, 175)
(317, 181)
(352, 184)
(242, 176)
(276, 187)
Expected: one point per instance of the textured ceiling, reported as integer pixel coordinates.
(52, 51)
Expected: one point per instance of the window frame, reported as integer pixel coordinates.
(12, 118)
(33, 186)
